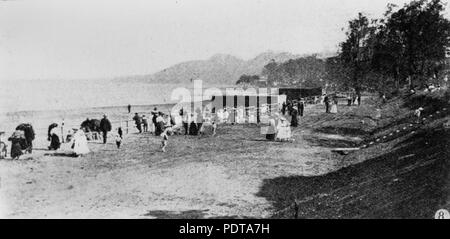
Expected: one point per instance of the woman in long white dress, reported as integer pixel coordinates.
(333, 109)
(283, 130)
(226, 116)
(271, 130)
(240, 116)
(219, 116)
(79, 143)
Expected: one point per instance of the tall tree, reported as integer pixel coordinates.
(356, 51)
(412, 41)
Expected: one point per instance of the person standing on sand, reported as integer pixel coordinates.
(186, 120)
(154, 116)
(294, 119)
(289, 107)
(165, 139)
(137, 121)
(160, 123)
(120, 132)
(334, 105)
(272, 128)
(226, 115)
(105, 127)
(199, 119)
(192, 126)
(145, 123)
(129, 109)
(327, 104)
(119, 137)
(301, 107)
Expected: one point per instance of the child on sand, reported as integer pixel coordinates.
(118, 138)
(165, 136)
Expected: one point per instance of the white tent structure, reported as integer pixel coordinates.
(246, 106)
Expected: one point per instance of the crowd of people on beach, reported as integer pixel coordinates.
(196, 123)
(163, 125)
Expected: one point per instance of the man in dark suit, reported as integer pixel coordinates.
(301, 107)
(327, 104)
(105, 127)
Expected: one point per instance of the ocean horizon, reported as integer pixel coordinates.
(53, 95)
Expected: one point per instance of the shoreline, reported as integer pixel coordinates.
(41, 119)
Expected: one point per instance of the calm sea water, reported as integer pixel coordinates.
(41, 95)
(42, 102)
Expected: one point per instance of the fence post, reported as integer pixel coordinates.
(62, 131)
(127, 125)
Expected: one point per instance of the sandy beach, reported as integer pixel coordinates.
(210, 176)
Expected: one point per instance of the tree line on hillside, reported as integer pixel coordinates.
(407, 46)
(307, 71)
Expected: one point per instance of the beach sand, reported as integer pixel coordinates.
(197, 177)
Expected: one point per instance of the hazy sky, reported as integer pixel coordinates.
(106, 38)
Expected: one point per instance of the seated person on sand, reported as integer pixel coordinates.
(53, 137)
(79, 143)
(77, 146)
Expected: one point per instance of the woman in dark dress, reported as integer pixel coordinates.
(29, 136)
(193, 130)
(53, 137)
(283, 108)
(159, 124)
(55, 143)
(18, 142)
(294, 120)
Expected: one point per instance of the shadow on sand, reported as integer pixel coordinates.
(408, 182)
(189, 214)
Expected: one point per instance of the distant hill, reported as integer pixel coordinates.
(220, 69)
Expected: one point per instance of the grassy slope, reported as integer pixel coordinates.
(405, 175)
